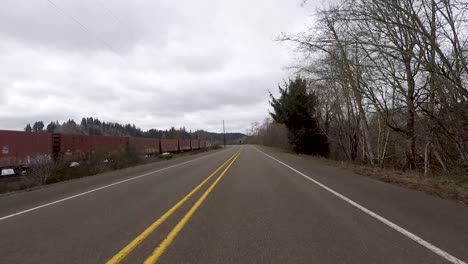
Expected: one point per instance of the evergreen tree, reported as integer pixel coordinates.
(38, 126)
(296, 109)
(28, 128)
(84, 123)
(51, 127)
(93, 126)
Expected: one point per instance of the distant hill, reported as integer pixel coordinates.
(94, 126)
(218, 137)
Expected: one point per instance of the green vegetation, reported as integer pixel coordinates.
(296, 108)
(166, 156)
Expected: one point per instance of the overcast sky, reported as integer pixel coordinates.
(155, 63)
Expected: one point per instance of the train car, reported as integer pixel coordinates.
(147, 146)
(184, 145)
(203, 144)
(19, 149)
(195, 144)
(75, 144)
(169, 145)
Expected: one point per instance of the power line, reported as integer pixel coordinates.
(86, 29)
(109, 11)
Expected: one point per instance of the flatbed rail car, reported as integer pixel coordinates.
(21, 149)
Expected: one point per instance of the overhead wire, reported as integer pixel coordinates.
(108, 10)
(86, 29)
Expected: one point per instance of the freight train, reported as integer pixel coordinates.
(21, 149)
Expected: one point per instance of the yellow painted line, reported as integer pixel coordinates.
(153, 258)
(135, 242)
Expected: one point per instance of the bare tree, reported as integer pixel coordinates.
(391, 70)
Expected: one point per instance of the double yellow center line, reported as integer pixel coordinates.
(159, 250)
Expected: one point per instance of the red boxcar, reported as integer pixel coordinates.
(22, 148)
(203, 144)
(169, 145)
(195, 144)
(73, 144)
(184, 144)
(145, 145)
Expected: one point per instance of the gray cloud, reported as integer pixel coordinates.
(183, 63)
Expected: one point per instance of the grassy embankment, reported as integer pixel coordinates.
(97, 162)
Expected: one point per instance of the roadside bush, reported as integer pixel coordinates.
(167, 156)
(93, 163)
(39, 171)
(124, 159)
(214, 147)
(37, 174)
(87, 164)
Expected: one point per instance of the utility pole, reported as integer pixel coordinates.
(224, 135)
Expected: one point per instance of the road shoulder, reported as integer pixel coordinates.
(434, 219)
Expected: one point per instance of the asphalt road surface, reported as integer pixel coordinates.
(245, 204)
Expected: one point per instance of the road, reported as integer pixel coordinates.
(245, 204)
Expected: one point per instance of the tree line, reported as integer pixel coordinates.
(93, 126)
(390, 80)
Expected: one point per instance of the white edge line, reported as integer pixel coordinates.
(103, 187)
(392, 225)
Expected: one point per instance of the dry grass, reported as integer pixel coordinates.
(449, 186)
(90, 164)
(453, 186)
